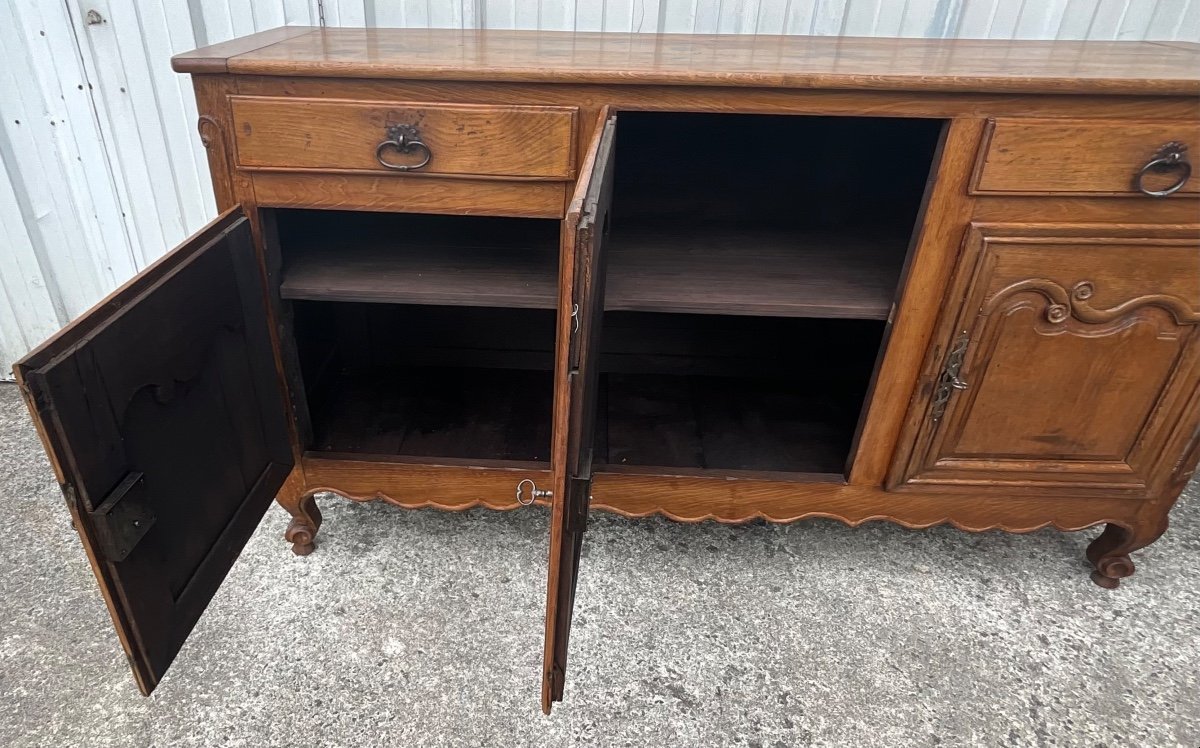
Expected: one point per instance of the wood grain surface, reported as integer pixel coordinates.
(730, 60)
(1080, 358)
(1082, 157)
(339, 134)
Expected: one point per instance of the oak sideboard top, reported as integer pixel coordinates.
(966, 65)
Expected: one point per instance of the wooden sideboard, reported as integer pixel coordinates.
(708, 277)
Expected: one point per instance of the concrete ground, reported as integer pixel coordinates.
(415, 628)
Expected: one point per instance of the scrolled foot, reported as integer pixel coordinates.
(301, 536)
(306, 517)
(1110, 582)
(1109, 552)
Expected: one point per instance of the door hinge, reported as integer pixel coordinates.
(574, 343)
(122, 519)
(71, 498)
(27, 393)
(579, 497)
(558, 681)
(949, 380)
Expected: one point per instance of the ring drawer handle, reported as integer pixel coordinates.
(1171, 157)
(404, 139)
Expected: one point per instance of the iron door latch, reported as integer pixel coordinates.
(123, 518)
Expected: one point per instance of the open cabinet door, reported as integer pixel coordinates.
(164, 417)
(583, 262)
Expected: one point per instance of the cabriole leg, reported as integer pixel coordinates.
(1109, 553)
(306, 516)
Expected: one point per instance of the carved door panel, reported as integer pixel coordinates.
(1068, 367)
(163, 415)
(585, 228)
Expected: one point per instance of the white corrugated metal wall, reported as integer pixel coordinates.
(104, 171)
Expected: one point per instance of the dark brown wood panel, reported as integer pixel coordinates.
(164, 411)
(427, 382)
(437, 412)
(745, 269)
(1138, 68)
(722, 424)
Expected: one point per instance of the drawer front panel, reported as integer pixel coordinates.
(529, 142)
(1042, 156)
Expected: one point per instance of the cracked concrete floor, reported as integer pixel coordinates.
(415, 628)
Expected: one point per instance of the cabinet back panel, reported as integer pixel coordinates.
(781, 215)
(729, 345)
(754, 423)
(817, 172)
(428, 381)
(732, 393)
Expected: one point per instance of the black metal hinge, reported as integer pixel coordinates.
(122, 519)
(578, 498)
(558, 680)
(574, 345)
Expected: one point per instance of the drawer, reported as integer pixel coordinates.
(333, 135)
(1080, 157)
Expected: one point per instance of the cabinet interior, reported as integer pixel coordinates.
(752, 262)
(729, 392)
(423, 336)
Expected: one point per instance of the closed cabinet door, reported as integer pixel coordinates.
(1069, 365)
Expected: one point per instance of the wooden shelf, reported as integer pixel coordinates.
(753, 271)
(722, 269)
(462, 262)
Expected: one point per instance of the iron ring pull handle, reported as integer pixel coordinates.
(1171, 157)
(404, 139)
